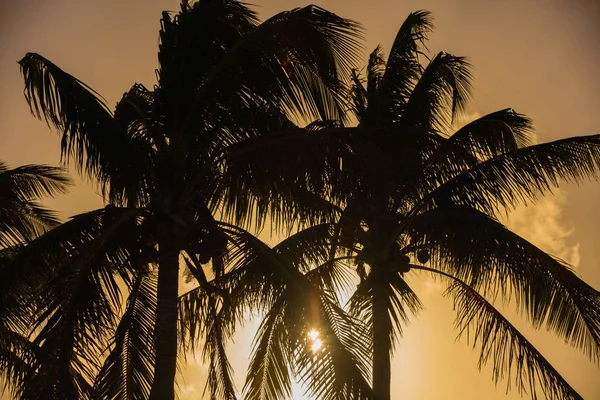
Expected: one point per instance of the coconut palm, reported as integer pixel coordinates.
(22, 219)
(429, 202)
(160, 160)
(431, 205)
(295, 300)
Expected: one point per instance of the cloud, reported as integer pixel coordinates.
(543, 225)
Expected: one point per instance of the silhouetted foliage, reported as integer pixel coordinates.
(215, 151)
(161, 160)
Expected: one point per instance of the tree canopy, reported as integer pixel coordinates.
(248, 125)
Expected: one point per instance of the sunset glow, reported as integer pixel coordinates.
(316, 342)
(537, 57)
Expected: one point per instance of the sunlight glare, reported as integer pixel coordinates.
(316, 346)
(317, 343)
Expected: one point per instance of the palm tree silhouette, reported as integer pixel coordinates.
(160, 160)
(295, 299)
(430, 205)
(427, 202)
(22, 219)
(214, 149)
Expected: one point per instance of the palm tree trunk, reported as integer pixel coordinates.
(166, 321)
(382, 371)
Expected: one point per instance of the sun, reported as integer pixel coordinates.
(317, 343)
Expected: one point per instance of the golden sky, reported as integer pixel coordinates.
(538, 57)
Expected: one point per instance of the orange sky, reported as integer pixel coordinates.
(538, 57)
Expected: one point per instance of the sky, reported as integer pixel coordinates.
(538, 57)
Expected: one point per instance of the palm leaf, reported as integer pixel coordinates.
(21, 217)
(502, 344)
(91, 137)
(268, 373)
(302, 71)
(72, 277)
(477, 249)
(127, 371)
(18, 361)
(441, 92)
(495, 133)
(403, 68)
(220, 374)
(521, 175)
(401, 301)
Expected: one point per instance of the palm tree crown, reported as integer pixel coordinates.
(160, 159)
(428, 202)
(431, 206)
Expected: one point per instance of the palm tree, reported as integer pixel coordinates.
(161, 159)
(295, 300)
(22, 219)
(430, 205)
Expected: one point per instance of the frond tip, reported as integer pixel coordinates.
(513, 357)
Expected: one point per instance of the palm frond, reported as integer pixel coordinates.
(91, 137)
(489, 136)
(21, 217)
(18, 361)
(441, 92)
(21, 222)
(205, 315)
(401, 301)
(486, 255)
(513, 357)
(303, 169)
(495, 133)
(72, 274)
(375, 70)
(29, 182)
(339, 368)
(192, 43)
(135, 112)
(403, 67)
(521, 175)
(220, 375)
(268, 374)
(273, 68)
(263, 279)
(358, 96)
(127, 371)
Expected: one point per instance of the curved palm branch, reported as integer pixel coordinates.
(131, 184)
(520, 175)
(99, 146)
(441, 91)
(260, 278)
(403, 68)
(128, 369)
(495, 133)
(22, 218)
(18, 360)
(202, 315)
(272, 67)
(304, 307)
(71, 282)
(480, 251)
(400, 298)
(501, 342)
(220, 375)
